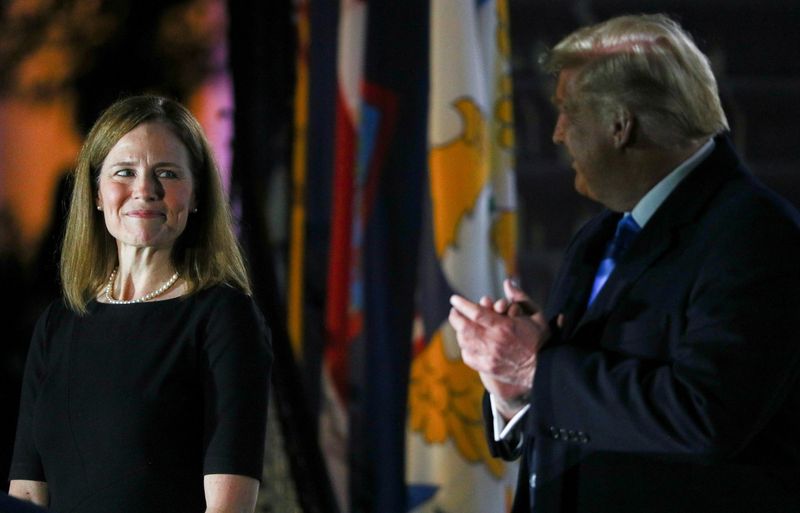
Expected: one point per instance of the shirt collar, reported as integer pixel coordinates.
(656, 196)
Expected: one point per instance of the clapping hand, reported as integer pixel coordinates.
(500, 339)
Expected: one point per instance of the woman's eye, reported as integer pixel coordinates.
(123, 172)
(166, 173)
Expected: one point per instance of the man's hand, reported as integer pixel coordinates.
(516, 302)
(500, 340)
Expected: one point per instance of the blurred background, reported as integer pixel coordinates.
(269, 82)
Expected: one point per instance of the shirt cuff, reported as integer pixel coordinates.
(502, 430)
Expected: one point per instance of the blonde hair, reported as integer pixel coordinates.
(205, 254)
(649, 65)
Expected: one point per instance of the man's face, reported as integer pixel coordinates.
(587, 140)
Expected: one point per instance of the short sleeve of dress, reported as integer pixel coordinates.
(26, 462)
(237, 359)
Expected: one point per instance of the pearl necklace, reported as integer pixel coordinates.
(146, 297)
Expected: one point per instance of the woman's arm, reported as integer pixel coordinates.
(34, 491)
(237, 357)
(229, 493)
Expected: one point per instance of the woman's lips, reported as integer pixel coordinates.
(145, 214)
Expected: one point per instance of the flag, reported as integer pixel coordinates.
(378, 168)
(261, 49)
(468, 247)
(396, 73)
(299, 167)
(344, 305)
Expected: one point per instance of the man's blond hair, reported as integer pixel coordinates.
(648, 65)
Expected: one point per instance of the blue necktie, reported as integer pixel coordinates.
(627, 229)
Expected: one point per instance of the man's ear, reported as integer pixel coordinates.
(623, 127)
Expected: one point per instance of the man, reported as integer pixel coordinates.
(664, 374)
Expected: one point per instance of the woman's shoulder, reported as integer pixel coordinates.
(52, 323)
(225, 309)
(222, 294)
(55, 312)
(223, 300)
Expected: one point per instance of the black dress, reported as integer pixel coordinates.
(126, 408)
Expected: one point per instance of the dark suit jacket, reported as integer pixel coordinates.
(678, 390)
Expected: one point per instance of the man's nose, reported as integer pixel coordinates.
(558, 131)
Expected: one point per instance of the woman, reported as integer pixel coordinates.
(146, 388)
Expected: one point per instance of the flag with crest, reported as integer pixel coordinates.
(468, 246)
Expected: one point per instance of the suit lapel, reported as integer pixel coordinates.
(575, 282)
(646, 249)
(682, 207)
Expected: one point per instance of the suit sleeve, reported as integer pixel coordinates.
(511, 447)
(731, 365)
(237, 363)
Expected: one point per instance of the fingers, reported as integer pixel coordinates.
(500, 338)
(520, 303)
(469, 337)
(477, 312)
(457, 320)
(519, 310)
(513, 292)
(501, 306)
(469, 333)
(472, 311)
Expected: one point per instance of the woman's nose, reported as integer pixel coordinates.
(147, 186)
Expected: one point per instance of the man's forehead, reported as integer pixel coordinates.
(564, 81)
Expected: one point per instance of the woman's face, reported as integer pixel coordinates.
(146, 188)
